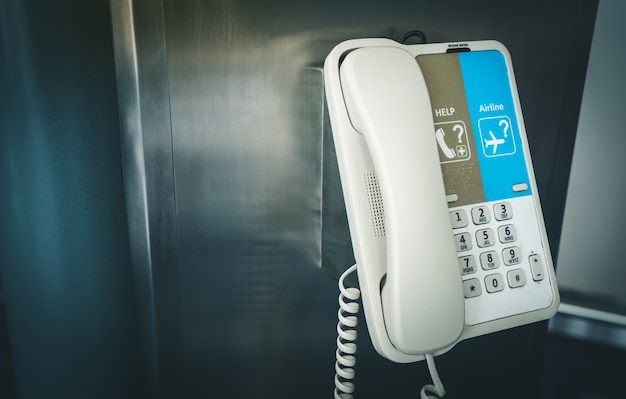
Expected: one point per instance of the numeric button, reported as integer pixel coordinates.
(485, 238)
(494, 283)
(458, 219)
(511, 256)
(463, 242)
(489, 260)
(467, 264)
(480, 215)
(507, 233)
(503, 211)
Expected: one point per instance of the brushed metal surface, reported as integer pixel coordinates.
(133, 160)
(144, 112)
(247, 147)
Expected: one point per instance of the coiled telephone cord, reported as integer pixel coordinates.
(346, 337)
(346, 347)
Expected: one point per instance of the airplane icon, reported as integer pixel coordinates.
(493, 142)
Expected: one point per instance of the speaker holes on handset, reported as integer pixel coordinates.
(377, 211)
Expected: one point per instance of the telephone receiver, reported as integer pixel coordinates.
(417, 297)
(387, 102)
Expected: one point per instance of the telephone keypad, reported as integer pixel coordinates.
(495, 231)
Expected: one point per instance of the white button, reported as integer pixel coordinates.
(471, 288)
(480, 215)
(485, 238)
(463, 242)
(494, 283)
(511, 256)
(489, 260)
(517, 278)
(507, 233)
(452, 198)
(467, 264)
(536, 267)
(520, 187)
(458, 218)
(503, 211)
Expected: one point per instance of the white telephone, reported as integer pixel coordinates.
(442, 204)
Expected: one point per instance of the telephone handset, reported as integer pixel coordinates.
(442, 203)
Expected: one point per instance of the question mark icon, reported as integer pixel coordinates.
(506, 126)
(460, 129)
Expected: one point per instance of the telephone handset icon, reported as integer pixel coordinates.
(447, 151)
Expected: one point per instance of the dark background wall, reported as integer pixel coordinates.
(64, 252)
(197, 274)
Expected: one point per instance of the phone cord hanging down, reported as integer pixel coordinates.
(346, 337)
(437, 387)
(346, 347)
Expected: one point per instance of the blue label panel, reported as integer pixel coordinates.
(494, 124)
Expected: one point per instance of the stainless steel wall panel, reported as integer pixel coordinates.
(143, 101)
(247, 153)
